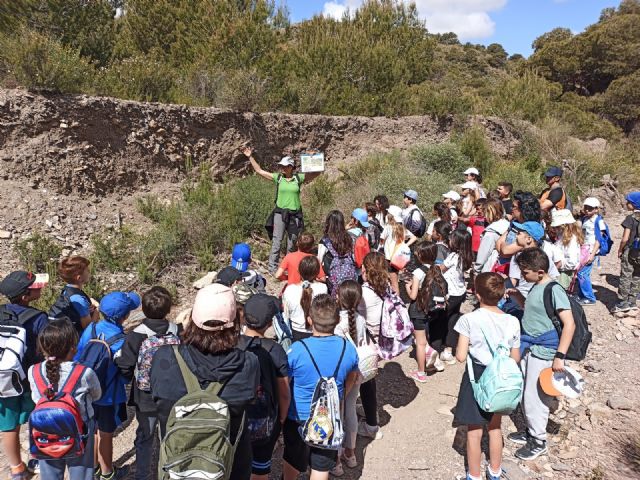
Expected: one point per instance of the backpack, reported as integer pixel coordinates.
(605, 240)
(634, 247)
(373, 234)
(197, 443)
(96, 355)
(338, 268)
(438, 301)
(499, 388)
(323, 429)
(148, 349)
(582, 336)
(262, 415)
(56, 420)
(396, 328)
(63, 307)
(282, 330)
(417, 227)
(367, 357)
(360, 249)
(13, 348)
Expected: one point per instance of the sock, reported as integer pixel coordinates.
(21, 467)
(471, 477)
(497, 473)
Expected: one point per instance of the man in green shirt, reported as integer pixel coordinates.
(286, 218)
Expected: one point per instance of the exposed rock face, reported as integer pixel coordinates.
(93, 145)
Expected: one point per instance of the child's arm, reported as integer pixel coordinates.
(568, 328)
(284, 397)
(515, 354)
(350, 381)
(626, 234)
(509, 250)
(462, 349)
(412, 238)
(128, 357)
(95, 391)
(594, 251)
(516, 295)
(413, 288)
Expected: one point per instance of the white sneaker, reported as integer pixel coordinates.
(438, 365)
(447, 357)
(365, 430)
(432, 357)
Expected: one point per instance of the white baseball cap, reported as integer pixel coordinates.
(287, 162)
(471, 171)
(395, 212)
(592, 202)
(455, 196)
(469, 185)
(562, 217)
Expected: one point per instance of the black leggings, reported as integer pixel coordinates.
(453, 314)
(369, 397)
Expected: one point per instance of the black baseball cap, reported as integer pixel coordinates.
(17, 283)
(260, 310)
(228, 276)
(553, 172)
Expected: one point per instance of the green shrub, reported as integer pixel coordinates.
(37, 61)
(527, 97)
(474, 146)
(38, 253)
(115, 251)
(447, 159)
(138, 78)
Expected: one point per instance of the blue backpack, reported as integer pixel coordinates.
(605, 240)
(97, 356)
(499, 389)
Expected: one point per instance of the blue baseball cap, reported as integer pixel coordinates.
(360, 214)
(533, 229)
(412, 194)
(634, 199)
(241, 256)
(553, 172)
(117, 305)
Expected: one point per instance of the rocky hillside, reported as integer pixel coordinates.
(95, 145)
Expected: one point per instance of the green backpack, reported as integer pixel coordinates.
(197, 442)
(499, 389)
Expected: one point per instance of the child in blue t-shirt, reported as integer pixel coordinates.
(325, 348)
(110, 410)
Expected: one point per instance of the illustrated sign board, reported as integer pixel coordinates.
(311, 162)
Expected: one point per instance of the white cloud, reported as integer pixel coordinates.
(469, 19)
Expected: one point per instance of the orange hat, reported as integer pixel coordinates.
(568, 383)
(546, 383)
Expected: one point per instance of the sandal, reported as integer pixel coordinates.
(338, 470)
(419, 377)
(350, 462)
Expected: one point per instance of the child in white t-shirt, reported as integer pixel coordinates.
(488, 323)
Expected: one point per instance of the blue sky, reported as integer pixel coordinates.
(512, 23)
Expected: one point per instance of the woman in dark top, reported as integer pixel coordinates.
(209, 349)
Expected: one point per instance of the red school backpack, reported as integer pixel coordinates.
(56, 428)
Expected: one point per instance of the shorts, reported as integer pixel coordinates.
(468, 412)
(263, 452)
(300, 455)
(108, 418)
(15, 411)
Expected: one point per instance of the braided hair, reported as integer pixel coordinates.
(349, 296)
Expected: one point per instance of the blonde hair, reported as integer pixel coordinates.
(572, 230)
(493, 211)
(397, 229)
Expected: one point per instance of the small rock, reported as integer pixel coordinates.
(616, 402)
(631, 322)
(92, 216)
(64, 125)
(208, 279)
(444, 410)
(569, 454)
(560, 467)
(5, 235)
(619, 336)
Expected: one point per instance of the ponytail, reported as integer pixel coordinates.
(433, 279)
(52, 367)
(349, 296)
(309, 269)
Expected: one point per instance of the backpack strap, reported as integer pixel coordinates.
(344, 347)
(278, 179)
(38, 378)
(549, 304)
(190, 380)
(335, 373)
(73, 379)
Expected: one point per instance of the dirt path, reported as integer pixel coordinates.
(595, 437)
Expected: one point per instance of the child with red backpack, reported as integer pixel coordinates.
(357, 229)
(61, 428)
(99, 345)
(134, 364)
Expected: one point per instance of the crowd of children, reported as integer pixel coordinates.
(219, 393)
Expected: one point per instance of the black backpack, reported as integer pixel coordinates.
(582, 336)
(417, 229)
(262, 415)
(634, 247)
(415, 312)
(63, 307)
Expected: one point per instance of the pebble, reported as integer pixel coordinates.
(5, 235)
(616, 402)
(560, 467)
(444, 410)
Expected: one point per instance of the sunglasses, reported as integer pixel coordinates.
(589, 208)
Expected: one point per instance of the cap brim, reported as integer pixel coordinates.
(546, 383)
(41, 281)
(365, 224)
(240, 266)
(135, 300)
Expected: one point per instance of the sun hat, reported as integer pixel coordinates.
(260, 310)
(287, 162)
(534, 229)
(471, 171)
(412, 194)
(241, 256)
(214, 308)
(553, 172)
(18, 283)
(568, 383)
(469, 185)
(360, 214)
(452, 195)
(117, 305)
(562, 217)
(395, 212)
(634, 199)
(592, 202)
(243, 292)
(228, 276)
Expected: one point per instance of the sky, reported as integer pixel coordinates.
(514, 24)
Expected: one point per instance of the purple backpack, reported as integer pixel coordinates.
(338, 268)
(148, 349)
(396, 328)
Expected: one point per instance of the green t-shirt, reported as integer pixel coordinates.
(535, 320)
(289, 191)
